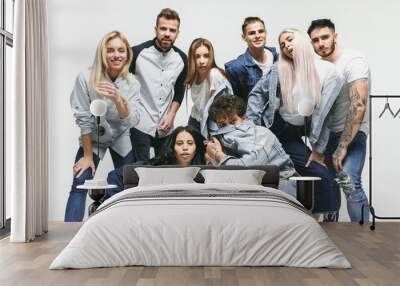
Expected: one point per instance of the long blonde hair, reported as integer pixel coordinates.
(301, 70)
(100, 66)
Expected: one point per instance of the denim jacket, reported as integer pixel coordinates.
(264, 101)
(243, 73)
(247, 144)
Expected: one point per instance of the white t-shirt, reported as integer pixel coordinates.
(267, 66)
(294, 117)
(325, 71)
(202, 92)
(352, 66)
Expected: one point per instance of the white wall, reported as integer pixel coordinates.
(75, 27)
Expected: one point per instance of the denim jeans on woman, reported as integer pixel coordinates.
(352, 166)
(75, 209)
(116, 177)
(327, 195)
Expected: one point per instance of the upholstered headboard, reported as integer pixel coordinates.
(270, 179)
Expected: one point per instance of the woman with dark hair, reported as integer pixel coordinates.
(184, 147)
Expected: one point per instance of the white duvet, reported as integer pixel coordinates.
(199, 224)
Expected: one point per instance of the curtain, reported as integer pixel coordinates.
(28, 142)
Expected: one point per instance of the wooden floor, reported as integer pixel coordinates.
(374, 255)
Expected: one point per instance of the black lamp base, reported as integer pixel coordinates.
(305, 193)
(96, 195)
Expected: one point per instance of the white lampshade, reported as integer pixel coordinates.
(98, 107)
(305, 107)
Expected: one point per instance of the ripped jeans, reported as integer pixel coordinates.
(349, 179)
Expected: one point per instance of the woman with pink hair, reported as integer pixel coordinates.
(294, 100)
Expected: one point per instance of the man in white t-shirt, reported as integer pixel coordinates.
(346, 150)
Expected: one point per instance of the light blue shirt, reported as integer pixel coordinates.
(247, 144)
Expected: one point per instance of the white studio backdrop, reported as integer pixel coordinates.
(76, 26)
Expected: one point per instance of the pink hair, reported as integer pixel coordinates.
(301, 70)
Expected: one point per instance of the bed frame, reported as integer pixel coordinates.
(270, 179)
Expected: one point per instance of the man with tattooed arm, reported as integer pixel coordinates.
(346, 150)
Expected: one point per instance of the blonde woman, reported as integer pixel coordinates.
(204, 79)
(108, 79)
(300, 88)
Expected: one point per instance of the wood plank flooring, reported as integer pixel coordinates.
(374, 255)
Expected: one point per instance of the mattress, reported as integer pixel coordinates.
(201, 225)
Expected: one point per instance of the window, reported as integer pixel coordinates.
(6, 44)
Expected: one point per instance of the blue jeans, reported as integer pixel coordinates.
(75, 208)
(116, 177)
(327, 195)
(352, 166)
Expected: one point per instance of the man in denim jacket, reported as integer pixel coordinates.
(240, 142)
(245, 71)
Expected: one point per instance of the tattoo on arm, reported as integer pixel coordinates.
(358, 93)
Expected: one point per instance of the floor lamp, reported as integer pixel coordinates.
(98, 108)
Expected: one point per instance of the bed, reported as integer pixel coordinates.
(201, 224)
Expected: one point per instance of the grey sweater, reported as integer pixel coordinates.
(116, 134)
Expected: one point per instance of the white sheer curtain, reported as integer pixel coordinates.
(28, 143)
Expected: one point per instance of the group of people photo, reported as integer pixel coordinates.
(257, 110)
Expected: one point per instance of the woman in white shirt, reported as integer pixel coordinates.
(204, 80)
(108, 79)
(299, 88)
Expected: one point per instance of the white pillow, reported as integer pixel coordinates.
(249, 177)
(163, 176)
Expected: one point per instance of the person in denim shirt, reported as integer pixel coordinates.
(299, 84)
(108, 79)
(245, 71)
(346, 151)
(240, 142)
